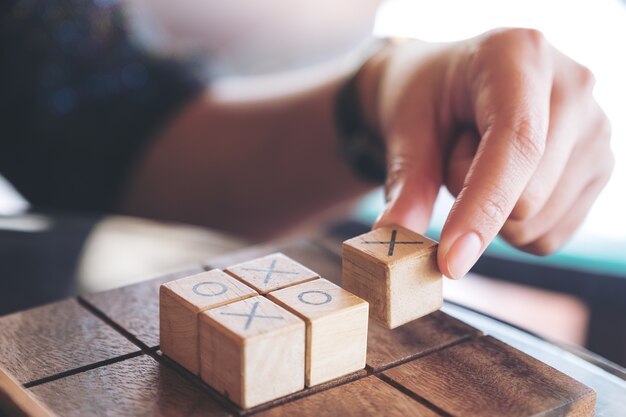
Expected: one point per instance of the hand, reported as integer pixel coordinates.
(510, 126)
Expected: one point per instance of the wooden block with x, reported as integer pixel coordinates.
(271, 272)
(255, 348)
(252, 351)
(395, 270)
(180, 303)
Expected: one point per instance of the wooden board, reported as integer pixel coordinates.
(485, 377)
(56, 338)
(120, 306)
(135, 387)
(367, 396)
(386, 348)
(83, 353)
(17, 401)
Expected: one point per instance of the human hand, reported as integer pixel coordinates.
(510, 126)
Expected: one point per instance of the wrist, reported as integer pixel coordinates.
(356, 114)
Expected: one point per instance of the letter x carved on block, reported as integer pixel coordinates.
(393, 242)
(270, 271)
(252, 315)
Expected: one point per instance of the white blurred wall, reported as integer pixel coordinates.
(255, 36)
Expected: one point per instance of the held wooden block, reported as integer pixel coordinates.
(336, 324)
(271, 272)
(395, 270)
(252, 351)
(182, 300)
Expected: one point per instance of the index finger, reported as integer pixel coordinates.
(511, 105)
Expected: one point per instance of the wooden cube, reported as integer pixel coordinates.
(180, 302)
(271, 272)
(336, 320)
(252, 351)
(395, 270)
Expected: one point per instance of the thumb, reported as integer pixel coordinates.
(414, 176)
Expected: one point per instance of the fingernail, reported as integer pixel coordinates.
(463, 254)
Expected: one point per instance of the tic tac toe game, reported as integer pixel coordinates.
(279, 330)
(308, 208)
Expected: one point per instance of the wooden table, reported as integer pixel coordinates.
(99, 355)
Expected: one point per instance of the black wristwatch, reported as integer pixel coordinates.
(360, 146)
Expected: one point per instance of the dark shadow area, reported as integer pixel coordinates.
(37, 267)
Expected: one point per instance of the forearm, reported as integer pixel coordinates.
(254, 167)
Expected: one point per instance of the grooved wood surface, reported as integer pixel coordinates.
(433, 366)
(121, 305)
(55, 338)
(367, 396)
(435, 331)
(485, 377)
(135, 387)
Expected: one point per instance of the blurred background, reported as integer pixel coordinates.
(577, 296)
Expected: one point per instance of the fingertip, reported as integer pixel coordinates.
(441, 256)
(461, 255)
(443, 266)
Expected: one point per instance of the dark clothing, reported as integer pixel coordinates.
(79, 100)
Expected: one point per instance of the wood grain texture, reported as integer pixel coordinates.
(336, 327)
(55, 338)
(435, 331)
(367, 396)
(252, 351)
(135, 387)
(485, 377)
(320, 260)
(271, 272)
(180, 302)
(141, 386)
(395, 270)
(121, 305)
(17, 401)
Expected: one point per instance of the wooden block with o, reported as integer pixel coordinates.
(252, 351)
(271, 273)
(336, 320)
(395, 270)
(181, 301)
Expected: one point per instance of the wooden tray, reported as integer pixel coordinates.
(99, 355)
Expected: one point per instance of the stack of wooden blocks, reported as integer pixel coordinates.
(265, 328)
